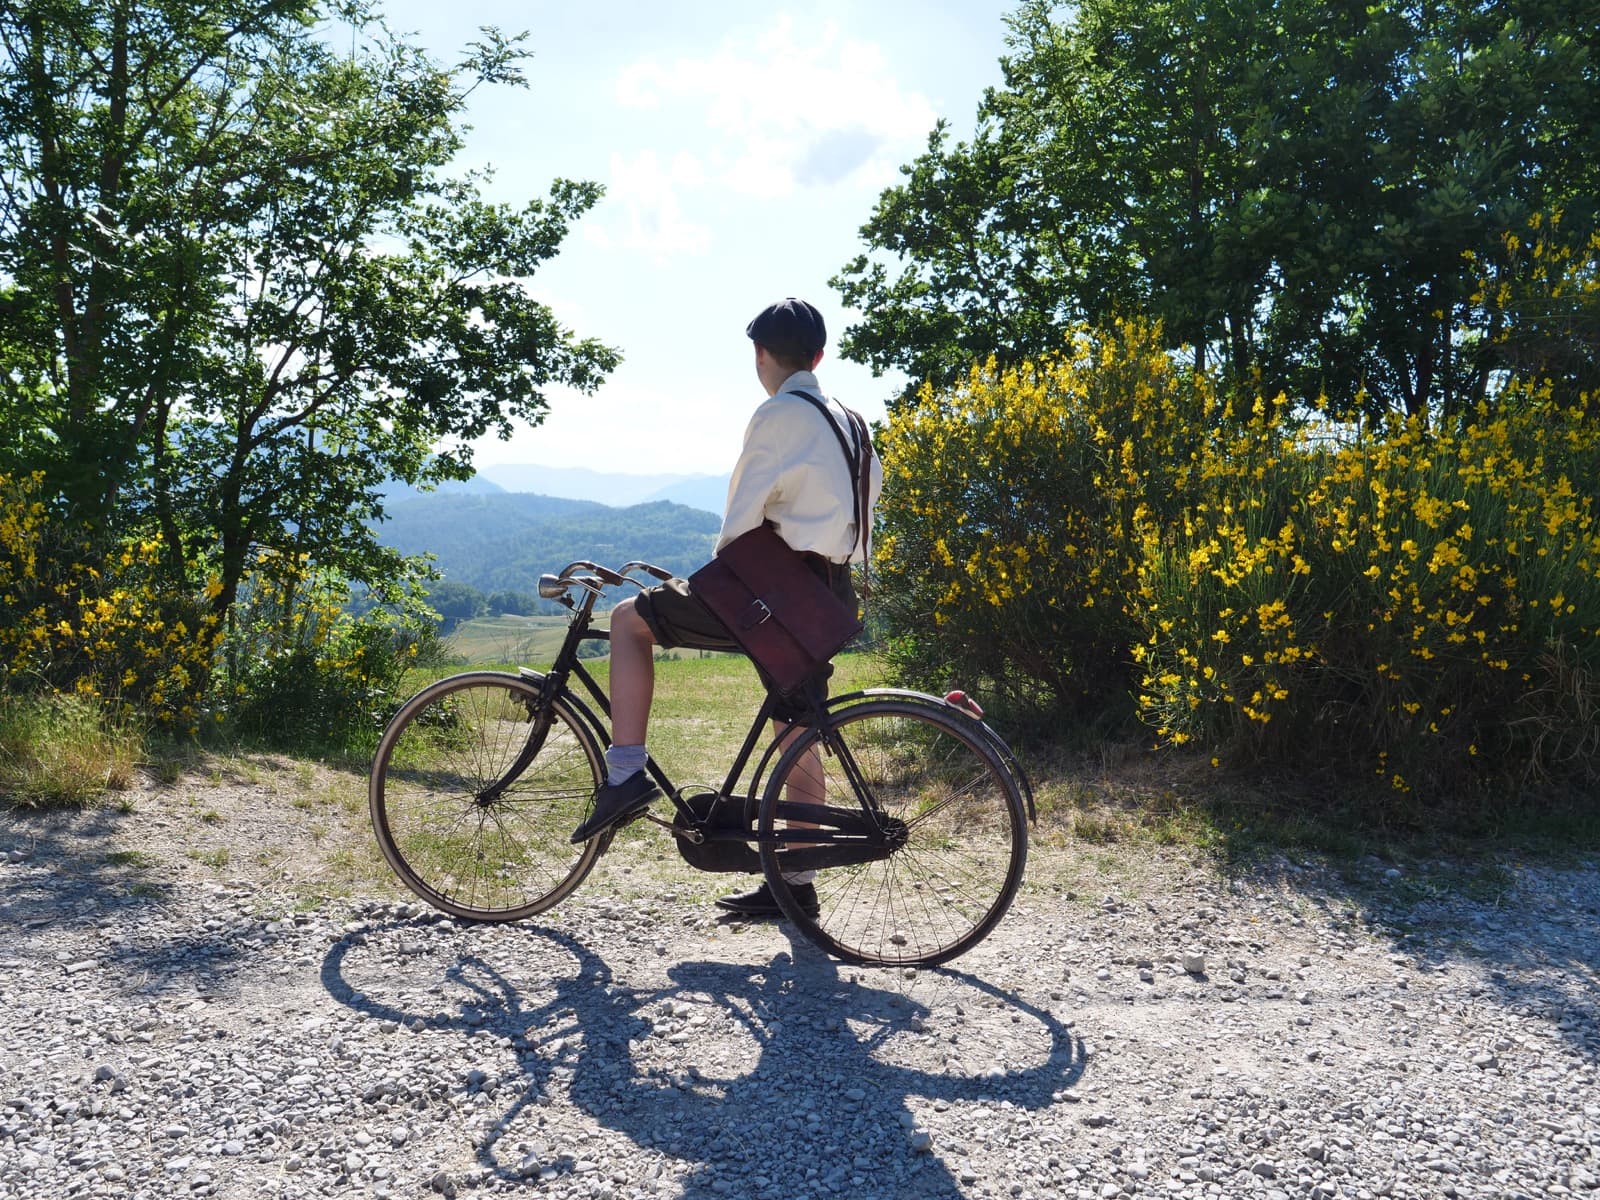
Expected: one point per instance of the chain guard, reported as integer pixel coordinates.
(713, 819)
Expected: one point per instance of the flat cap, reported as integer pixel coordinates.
(790, 327)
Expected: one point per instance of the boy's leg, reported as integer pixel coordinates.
(633, 675)
(628, 789)
(805, 784)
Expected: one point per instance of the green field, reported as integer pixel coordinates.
(505, 639)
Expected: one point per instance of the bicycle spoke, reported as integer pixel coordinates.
(473, 799)
(956, 818)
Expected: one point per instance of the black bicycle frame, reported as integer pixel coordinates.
(833, 836)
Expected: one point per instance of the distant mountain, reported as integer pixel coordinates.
(397, 491)
(505, 541)
(709, 493)
(705, 492)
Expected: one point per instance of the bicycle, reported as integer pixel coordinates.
(912, 809)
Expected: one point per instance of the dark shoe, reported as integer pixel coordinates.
(761, 903)
(615, 802)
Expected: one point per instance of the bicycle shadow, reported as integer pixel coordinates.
(840, 1067)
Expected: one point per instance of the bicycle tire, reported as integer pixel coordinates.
(992, 739)
(463, 823)
(965, 841)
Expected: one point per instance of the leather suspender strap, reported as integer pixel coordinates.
(863, 498)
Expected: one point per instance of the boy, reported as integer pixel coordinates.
(790, 473)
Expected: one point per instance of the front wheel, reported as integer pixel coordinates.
(476, 787)
(954, 825)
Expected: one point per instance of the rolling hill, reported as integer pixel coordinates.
(505, 540)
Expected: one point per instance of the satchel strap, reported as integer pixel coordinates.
(863, 499)
(859, 460)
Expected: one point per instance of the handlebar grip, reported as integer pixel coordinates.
(660, 573)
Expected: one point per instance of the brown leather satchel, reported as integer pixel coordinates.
(779, 611)
(775, 606)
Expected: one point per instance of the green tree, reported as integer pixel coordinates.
(1541, 297)
(510, 603)
(1291, 188)
(1468, 119)
(1103, 179)
(240, 286)
(455, 602)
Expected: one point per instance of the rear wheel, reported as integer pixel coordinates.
(475, 790)
(955, 833)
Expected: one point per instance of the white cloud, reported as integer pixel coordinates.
(784, 111)
(642, 210)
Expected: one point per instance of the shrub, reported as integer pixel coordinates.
(1422, 604)
(304, 673)
(96, 619)
(60, 750)
(1410, 606)
(1007, 546)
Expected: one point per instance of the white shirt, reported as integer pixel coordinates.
(793, 473)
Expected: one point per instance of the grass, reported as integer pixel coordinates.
(60, 751)
(530, 641)
(1093, 799)
(704, 703)
(703, 708)
(234, 767)
(1091, 794)
(138, 860)
(215, 859)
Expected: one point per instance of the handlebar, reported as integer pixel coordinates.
(556, 587)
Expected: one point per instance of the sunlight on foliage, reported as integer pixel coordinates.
(1423, 602)
(1009, 516)
(99, 624)
(96, 621)
(1100, 532)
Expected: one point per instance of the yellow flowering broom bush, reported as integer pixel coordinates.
(1424, 605)
(1100, 533)
(1218, 594)
(96, 621)
(101, 626)
(1538, 305)
(1007, 549)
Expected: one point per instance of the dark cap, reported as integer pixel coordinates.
(791, 329)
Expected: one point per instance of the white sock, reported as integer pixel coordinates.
(799, 876)
(624, 762)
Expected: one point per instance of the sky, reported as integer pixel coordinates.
(742, 147)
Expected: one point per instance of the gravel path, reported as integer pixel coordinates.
(1139, 1025)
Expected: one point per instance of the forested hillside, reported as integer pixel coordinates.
(505, 541)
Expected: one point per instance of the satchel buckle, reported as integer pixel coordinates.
(766, 613)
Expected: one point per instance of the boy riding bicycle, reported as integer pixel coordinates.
(790, 474)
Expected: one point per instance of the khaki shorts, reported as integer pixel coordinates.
(676, 618)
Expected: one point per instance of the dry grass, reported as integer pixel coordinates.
(63, 751)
